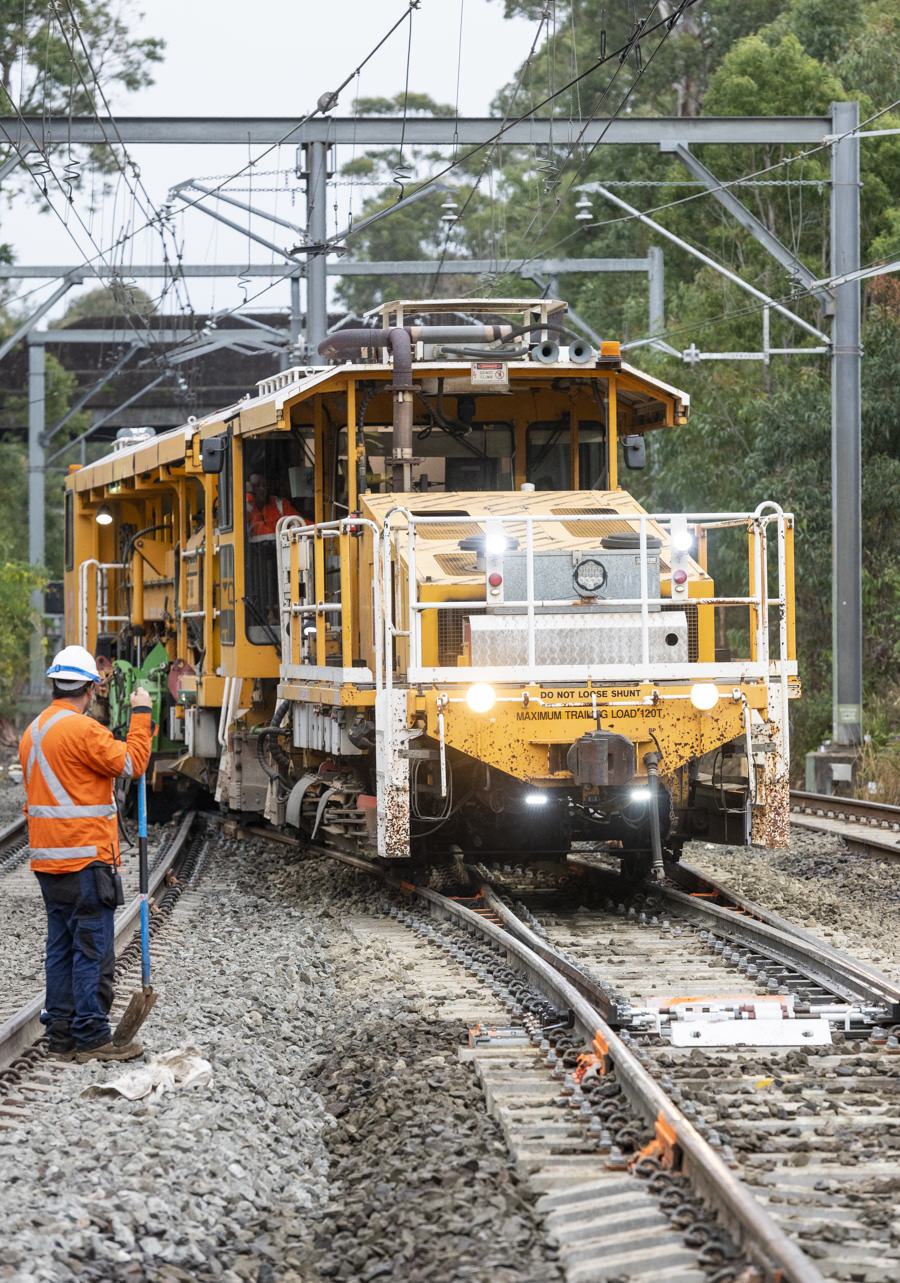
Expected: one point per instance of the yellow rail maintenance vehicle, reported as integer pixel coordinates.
(400, 602)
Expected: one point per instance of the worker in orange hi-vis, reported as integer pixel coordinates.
(263, 508)
(70, 763)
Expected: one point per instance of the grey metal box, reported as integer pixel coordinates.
(588, 638)
(554, 572)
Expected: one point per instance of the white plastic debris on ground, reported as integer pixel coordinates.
(168, 1071)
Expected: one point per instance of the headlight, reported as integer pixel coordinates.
(495, 545)
(704, 696)
(480, 697)
(535, 799)
(640, 795)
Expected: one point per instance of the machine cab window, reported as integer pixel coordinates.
(548, 455)
(277, 483)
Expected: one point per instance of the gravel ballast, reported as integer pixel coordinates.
(339, 1138)
(851, 901)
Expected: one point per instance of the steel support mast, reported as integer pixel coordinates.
(846, 433)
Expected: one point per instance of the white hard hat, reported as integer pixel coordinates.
(73, 666)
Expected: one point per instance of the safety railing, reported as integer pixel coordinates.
(400, 548)
(317, 639)
(101, 597)
(316, 618)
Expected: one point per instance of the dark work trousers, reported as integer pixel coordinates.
(81, 958)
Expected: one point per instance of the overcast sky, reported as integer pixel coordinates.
(270, 57)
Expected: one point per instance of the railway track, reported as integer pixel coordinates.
(652, 1148)
(20, 1027)
(868, 828)
(811, 1126)
(755, 1059)
(13, 845)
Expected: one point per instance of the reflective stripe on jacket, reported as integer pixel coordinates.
(264, 520)
(69, 763)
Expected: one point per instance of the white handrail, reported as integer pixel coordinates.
(99, 566)
(758, 598)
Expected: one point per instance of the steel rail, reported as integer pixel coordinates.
(825, 813)
(751, 925)
(24, 1028)
(822, 964)
(755, 1230)
(865, 812)
(13, 833)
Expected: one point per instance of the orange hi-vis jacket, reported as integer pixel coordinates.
(264, 520)
(69, 762)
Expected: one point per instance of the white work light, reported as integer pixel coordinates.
(704, 696)
(480, 697)
(104, 515)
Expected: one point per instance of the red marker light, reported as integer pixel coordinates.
(679, 576)
(495, 580)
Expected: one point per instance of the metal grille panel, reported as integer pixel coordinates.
(450, 635)
(456, 563)
(502, 640)
(591, 529)
(458, 530)
(693, 630)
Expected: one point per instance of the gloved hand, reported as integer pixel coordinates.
(140, 698)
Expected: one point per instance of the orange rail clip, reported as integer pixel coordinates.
(662, 1147)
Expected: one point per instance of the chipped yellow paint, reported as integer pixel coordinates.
(515, 736)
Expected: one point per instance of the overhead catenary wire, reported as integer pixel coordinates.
(139, 190)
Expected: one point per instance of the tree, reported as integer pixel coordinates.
(17, 582)
(425, 229)
(61, 387)
(44, 69)
(116, 300)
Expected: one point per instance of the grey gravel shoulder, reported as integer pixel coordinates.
(339, 1138)
(851, 901)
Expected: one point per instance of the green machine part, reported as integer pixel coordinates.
(153, 675)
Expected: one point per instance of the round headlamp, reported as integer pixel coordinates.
(480, 697)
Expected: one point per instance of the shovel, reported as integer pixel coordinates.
(142, 1000)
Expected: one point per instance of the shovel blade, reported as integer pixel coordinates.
(135, 1014)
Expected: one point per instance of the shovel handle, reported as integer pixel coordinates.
(144, 880)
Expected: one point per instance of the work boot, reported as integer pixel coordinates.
(110, 1051)
(59, 1051)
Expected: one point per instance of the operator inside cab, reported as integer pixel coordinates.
(264, 510)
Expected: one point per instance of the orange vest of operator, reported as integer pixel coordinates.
(264, 520)
(70, 762)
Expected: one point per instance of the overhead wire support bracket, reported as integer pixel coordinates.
(229, 222)
(601, 190)
(796, 270)
(179, 189)
(72, 278)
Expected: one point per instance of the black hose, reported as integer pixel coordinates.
(279, 756)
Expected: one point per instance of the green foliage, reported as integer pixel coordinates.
(38, 72)
(17, 622)
(760, 78)
(400, 103)
(823, 28)
(120, 299)
(45, 71)
(61, 386)
(869, 63)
